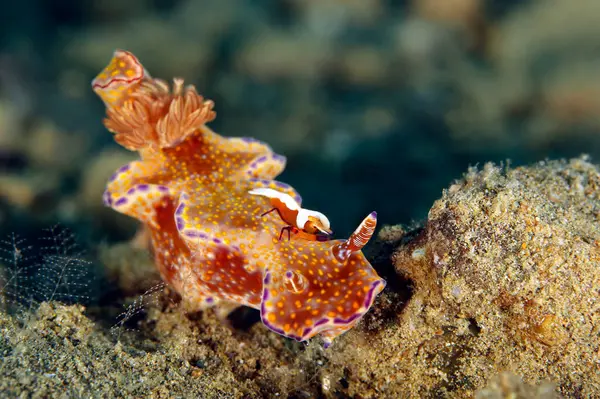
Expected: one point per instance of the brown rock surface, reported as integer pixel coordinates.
(507, 277)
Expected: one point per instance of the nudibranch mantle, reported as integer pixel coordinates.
(212, 244)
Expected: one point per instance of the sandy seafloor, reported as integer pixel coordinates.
(379, 105)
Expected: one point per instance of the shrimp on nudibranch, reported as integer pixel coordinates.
(308, 287)
(313, 224)
(198, 194)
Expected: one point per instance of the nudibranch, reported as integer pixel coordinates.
(314, 224)
(191, 189)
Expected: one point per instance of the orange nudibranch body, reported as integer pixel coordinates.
(202, 197)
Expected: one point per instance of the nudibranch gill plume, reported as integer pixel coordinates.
(213, 241)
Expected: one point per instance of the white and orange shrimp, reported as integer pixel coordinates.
(308, 224)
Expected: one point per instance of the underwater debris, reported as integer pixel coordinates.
(52, 269)
(508, 385)
(191, 189)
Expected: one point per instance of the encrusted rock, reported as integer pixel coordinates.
(511, 257)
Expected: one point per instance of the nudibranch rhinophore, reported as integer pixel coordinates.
(215, 242)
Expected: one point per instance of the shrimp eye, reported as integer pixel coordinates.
(315, 226)
(311, 227)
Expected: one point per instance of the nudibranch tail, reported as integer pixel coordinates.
(357, 240)
(119, 79)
